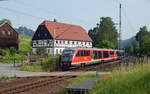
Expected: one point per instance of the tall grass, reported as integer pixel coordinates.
(25, 43)
(132, 80)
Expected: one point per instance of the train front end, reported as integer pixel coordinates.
(66, 58)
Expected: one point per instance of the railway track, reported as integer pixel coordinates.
(96, 66)
(32, 85)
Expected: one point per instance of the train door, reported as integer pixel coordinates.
(92, 55)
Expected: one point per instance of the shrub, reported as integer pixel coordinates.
(2, 52)
(12, 51)
(51, 63)
(40, 50)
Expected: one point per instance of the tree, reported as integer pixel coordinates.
(146, 47)
(106, 44)
(106, 30)
(93, 34)
(142, 37)
(12, 51)
(40, 50)
(6, 20)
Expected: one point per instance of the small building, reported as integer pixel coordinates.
(56, 36)
(8, 36)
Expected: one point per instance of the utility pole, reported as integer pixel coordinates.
(120, 27)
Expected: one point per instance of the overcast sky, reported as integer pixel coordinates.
(85, 13)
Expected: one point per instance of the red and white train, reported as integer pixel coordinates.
(84, 56)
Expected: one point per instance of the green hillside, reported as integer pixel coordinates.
(25, 43)
(133, 80)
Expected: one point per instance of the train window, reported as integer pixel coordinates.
(78, 54)
(95, 54)
(87, 53)
(111, 52)
(105, 54)
(99, 54)
(82, 53)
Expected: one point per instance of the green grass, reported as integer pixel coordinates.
(25, 43)
(78, 79)
(32, 68)
(132, 80)
(4, 78)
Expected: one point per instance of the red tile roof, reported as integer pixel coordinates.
(66, 31)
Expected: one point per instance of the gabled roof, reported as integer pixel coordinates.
(1, 25)
(66, 31)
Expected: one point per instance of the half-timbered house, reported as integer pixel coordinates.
(56, 36)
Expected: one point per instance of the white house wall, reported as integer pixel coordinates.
(59, 45)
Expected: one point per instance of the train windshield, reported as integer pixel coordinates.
(68, 52)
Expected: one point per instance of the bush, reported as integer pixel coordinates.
(50, 63)
(12, 51)
(2, 52)
(40, 50)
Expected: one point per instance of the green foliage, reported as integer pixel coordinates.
(133, 49)
(4, 78)
(132, 80)
(146, 47)
(44, 64)
(6, 20)
(41, 50)
(106, 44)
(13, 57)
(12, 51)
(106, 30)
(2, 52)
(48, 65)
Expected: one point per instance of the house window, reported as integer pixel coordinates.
(73, 42)
(9, 33)
(45, 35)
(38, 35)
(56, 41)
(68, 42)
(3, 32)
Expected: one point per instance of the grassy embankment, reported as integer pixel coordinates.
(25, 43)
(131, 80)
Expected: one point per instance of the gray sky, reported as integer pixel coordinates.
(85, 13)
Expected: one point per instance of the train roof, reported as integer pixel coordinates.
(74, 48)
